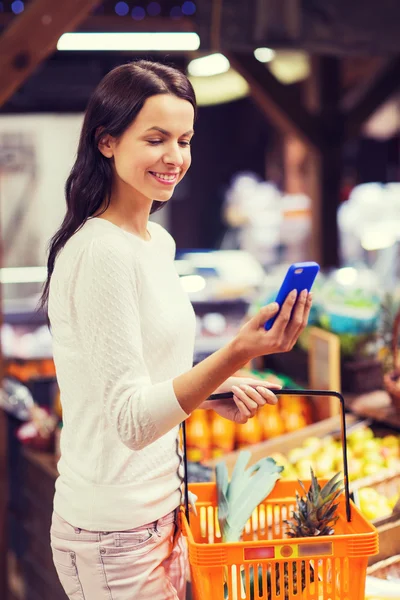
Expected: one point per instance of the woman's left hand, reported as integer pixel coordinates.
(249, 395)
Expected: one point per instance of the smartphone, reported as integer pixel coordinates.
(300, 276)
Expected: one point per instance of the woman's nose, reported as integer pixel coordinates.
(173, 155)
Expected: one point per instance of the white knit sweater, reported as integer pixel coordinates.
(123, 328)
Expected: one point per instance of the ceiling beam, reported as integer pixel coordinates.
(360, 104)
(33, 35)
(277, 101)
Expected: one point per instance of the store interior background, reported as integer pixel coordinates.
(318, 119)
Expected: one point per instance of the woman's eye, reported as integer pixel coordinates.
(154, 142)
(184, 144)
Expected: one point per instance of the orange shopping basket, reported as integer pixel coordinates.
(267, 565)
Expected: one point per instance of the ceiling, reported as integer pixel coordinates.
(362, 32)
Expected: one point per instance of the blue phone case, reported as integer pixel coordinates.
(300, 276)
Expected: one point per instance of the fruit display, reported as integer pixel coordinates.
(374, 505)
(209, 435)
(25, 370)
(367, 456)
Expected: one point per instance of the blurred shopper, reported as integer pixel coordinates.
(123, 332)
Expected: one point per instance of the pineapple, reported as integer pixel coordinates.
(316, 511)
(315, 515)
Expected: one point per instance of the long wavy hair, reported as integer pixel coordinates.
(112, 108)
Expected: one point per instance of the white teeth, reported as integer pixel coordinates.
(166, 177)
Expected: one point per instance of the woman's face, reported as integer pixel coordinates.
(153, 154)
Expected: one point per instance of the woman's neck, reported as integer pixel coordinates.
(129, 214)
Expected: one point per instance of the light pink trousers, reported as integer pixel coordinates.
(149, 562)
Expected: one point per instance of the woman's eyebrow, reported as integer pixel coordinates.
(191, 131)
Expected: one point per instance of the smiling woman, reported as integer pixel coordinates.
(123, 339)
(149, 158)
(113, 109)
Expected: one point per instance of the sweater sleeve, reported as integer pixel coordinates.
(105, 308)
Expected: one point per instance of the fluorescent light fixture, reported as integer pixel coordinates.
(346, 276)
(213, 64)
(193, 283)
(23, 274)
(130, 41)
(219, 89)
(264, 55)
(378, 239)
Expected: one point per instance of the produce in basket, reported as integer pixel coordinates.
(315, 515)
(238, 498)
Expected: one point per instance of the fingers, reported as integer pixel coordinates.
(307, 309)
(268, 396)
(244, 414)
(266, 313)
(262, 383)
(254, 398)
(296, 322)
(282, 320)
(300, 316)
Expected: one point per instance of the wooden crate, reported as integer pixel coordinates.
(389, 544)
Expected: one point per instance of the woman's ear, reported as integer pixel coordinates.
(106, 145)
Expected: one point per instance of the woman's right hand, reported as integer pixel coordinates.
(253, 340)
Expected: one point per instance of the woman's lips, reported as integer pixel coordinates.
(165, 178)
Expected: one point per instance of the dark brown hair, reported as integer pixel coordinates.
(112, 108)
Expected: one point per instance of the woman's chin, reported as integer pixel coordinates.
(162, 196)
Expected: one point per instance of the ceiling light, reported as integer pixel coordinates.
(346, 276)
(290, 66)
(138, 13)
(188, 8)
(122, 9)
(218, 89)
(264, 55)
(23, 274)
(193, 283)
(213, 64)
(109, 41)
(154, 9)
(378, 239)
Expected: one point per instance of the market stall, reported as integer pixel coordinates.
(351, 344)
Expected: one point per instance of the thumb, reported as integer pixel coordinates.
(267, 312)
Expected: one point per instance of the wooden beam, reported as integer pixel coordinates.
(33, 35)
(324, 168)
(278, 102)
(359, 104)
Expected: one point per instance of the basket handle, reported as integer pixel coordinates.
(288, 392)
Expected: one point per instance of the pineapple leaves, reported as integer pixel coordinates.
(315, 512)
(221, 475)
(247, 489)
